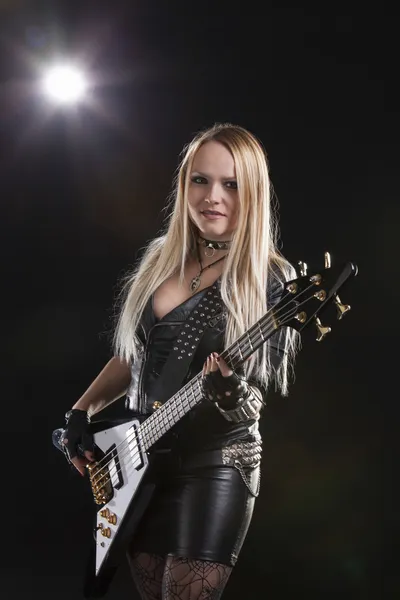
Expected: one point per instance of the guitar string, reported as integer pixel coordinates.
(127, 451)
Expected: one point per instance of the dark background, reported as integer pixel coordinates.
(83, 189)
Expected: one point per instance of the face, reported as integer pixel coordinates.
(213, 196)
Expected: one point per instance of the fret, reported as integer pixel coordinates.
(199, 388)
(170, 418)
(251, 345)
(197, 394)
(147, 442)
(227, 356)
(193, 390)
(189, 399)
(180, 406)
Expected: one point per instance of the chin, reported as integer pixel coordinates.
(216, 227)
(215, 233)
(216, 230)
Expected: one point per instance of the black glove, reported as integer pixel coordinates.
(226, 391)
(76, 437)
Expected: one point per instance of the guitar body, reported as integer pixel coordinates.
(122, 495)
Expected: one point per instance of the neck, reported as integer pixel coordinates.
(212, 248)
(204, 241)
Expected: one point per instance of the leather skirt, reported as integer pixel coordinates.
(201, 507)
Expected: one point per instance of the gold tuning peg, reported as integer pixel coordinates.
(342, 309)
(328, 262)
(302, 268)
(322, 331)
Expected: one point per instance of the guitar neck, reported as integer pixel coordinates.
(172, 411)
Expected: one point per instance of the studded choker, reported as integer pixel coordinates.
(211, 246)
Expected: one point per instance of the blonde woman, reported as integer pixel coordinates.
(220, 241)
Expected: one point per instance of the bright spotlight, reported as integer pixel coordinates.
(64, 84)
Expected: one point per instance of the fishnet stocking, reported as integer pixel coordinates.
(147, 573)
(186, 579)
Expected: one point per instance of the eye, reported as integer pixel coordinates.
(198, 179)
(231, 185)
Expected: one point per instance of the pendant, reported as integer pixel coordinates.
(209, 251)
(195, 284)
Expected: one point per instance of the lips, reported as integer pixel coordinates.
(212, 212)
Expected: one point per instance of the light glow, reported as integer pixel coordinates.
(64, 84)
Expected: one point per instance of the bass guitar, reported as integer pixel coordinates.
(122, 451)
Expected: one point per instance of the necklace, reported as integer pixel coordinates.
(211, 246)
(195, 283)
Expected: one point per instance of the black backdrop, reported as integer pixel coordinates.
(82, 190)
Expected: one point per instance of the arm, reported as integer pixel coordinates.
(111, 383)
(237, 399)
(76, 438)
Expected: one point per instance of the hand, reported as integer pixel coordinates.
(220, 384)
(78, 440)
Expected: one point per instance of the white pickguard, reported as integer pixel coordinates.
(129, 461)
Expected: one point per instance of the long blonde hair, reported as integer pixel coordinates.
(252, 258)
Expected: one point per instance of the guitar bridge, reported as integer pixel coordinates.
(100, 482)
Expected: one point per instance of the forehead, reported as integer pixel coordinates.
(214, 158)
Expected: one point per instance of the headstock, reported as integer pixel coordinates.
(308, 295)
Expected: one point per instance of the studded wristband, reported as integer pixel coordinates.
(246, 409)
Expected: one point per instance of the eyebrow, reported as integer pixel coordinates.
(209, 177)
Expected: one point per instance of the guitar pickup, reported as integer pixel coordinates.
(114, 467)
(134, 446)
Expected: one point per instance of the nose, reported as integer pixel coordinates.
(212, 195)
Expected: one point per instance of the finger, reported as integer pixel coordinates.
(213, 363)
(223, 367)
(89, 455)
(79, 464)
(69, 450)
(87, 442)
(207, 366)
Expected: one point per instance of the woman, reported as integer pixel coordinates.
(220, 244)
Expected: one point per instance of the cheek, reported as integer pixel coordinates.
(234, 220)
(194, 196)
(190, 203)
(192, 206)
(235, 209)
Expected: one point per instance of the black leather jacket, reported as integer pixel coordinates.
(204, 426)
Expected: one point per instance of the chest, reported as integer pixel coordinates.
(171, 293)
